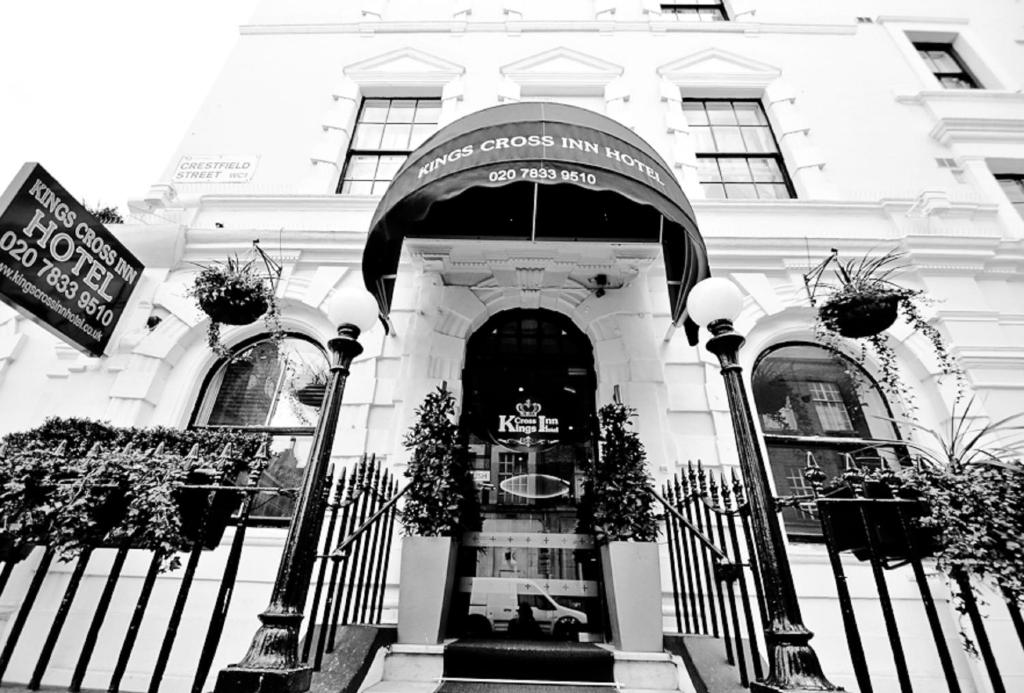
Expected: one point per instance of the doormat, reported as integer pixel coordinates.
(506, 687)
(528, 660)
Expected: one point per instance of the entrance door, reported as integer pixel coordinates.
(529, 422)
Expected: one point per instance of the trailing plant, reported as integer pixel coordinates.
(970, 481)
(73, 484)
(618, 502)
(441, 501)
(237, 292)
(863, 303)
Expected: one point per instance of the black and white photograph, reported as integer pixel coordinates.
(512, 346)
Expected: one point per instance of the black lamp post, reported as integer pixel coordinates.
(793, 664)
(272, 663)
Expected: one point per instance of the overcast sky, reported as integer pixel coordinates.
(100, 91)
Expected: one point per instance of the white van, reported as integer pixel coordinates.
(498, 601)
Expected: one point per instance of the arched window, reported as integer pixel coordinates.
(266, 386)
(808, 403)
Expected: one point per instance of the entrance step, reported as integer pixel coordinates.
(528, 660)
(705, 660)
(492, 686)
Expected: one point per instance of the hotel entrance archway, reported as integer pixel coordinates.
(530, 427)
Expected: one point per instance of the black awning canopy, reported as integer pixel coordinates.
(537, 172)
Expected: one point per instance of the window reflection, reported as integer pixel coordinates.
(276, 387)
(809, 404)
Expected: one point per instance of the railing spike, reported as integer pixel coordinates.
(159, 449)
(94, 450)
(193, 452)
(61, 448)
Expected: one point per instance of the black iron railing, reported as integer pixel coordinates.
(363, 511)
(358, 531)
(885, 533)
(708, 535)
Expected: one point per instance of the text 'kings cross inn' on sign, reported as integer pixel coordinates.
(59, 265)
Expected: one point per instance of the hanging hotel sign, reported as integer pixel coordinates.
(526, 427)
(59, 266)
(215, 169)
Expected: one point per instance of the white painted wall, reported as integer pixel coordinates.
(860, 124)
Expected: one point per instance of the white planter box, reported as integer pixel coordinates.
(427, 575)
(632, 583)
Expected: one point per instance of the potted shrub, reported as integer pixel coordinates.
(238, 292)
(861, 304)
(439, 506)
(618, 509)
(124, 488)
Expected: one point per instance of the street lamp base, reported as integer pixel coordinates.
(249, 680)
(794, 669)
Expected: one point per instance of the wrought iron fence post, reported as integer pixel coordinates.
(793, 663)
(272, 663)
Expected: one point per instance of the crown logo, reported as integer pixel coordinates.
(528, 408)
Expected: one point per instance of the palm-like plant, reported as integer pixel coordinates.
(967, 441)
(971, 478)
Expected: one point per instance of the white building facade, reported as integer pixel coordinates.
(792, 127)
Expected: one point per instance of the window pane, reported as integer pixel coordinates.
(428, 111)
(1013, 187)
(721, 113)
(360, 187)
(374, 111)
(942, 61)
(707, 170)
(738, 191)
(380, 187)
(388, 166)
(768, 191)
(401, 111)
(734, 170)
(953, 82)
(749, 113)
(361, 167)
(694, 113)
(257, 386)
(396, 137)
(367, 136)
(703, 142)
(758, 139)
(765, 170)
(728, 139)
(288, 457)
(713, 191)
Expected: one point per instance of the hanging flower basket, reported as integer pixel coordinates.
(860, 315)
(862, 303)
(238, 292)
(230, 301)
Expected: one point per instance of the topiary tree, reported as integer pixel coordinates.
(617, 504)
(441, 501)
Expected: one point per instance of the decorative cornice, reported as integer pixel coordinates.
(576, 26)
(404, 64)
(574, 68)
